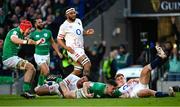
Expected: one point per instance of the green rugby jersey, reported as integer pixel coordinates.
(98, 89)
(9, 48)
(44, 47)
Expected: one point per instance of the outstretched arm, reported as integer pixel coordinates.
(86, 86)
(88, 32)
(16, 40)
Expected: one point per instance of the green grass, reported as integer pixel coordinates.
(8, 100)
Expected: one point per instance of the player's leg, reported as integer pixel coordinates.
(48, 89)
(19, 63)
(43, 63)
(28, 77)
(159, 60)
(44, 72)
(149, 92)
(77, 69)
(85, 62)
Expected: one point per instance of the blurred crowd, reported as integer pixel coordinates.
(51, 11)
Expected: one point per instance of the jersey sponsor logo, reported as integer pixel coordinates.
(43, 40)
(78, 32)
(37, 36)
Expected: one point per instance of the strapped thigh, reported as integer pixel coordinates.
(84, 60)
(79, 68)
(22, 64)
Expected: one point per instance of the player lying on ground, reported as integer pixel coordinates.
(66, 87)
(99, 90)
(136, 88)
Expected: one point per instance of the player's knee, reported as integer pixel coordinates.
(46, 73)
(30, 67)
(87, 66)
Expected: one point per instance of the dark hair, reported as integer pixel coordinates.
(112, 82)
(118, 75)
(124, 47)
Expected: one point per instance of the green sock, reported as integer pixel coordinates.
(59, 79)
(41, 79)
(26, 87)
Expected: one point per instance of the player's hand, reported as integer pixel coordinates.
(39, 41)
(89, 95)
(69, 49)
(31, 42)
(60, 55)
(90, 31)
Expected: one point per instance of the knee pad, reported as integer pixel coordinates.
(22, 64)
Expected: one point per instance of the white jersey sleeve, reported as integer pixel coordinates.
(71, 82)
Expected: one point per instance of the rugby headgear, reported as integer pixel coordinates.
(25, 24)
(70, 10)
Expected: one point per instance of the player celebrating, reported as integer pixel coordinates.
(136, 88)
(14, 39)
(41, 55)
(72, 31)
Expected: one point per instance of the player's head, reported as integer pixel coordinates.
(167, 47)
(25, 27)
(81, 81)
(122, 49)
(39, 24)
(71, 14)
(110, 87)
(120, 79)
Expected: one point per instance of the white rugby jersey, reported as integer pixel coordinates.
(72, 33)
(71, 82)
(127, 88)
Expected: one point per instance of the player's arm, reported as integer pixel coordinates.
(55, 46)
(61, 43)
(86, 86)
(88, 32)
(133, 80)
(16, 40)
(66, 92)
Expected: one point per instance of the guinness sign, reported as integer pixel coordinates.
(154, 7)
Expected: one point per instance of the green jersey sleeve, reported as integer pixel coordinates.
(116, 93)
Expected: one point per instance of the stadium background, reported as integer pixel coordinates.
(115, 21)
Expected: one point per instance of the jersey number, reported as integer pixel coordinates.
(78, 32)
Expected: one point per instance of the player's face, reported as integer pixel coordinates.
(81, 81)
(120, 80)
(71, 16)
(39, 24)
(110, 89)
(27, 31)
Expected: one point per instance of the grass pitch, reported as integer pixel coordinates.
(8, 100)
